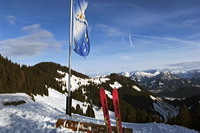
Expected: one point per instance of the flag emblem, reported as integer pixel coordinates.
(81, 39)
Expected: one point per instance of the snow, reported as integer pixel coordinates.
(108, 93)
(164, 109)
(126, 74)
(160, 83)
(40, 116)
(104, 79)
(188, 74)
(147, 74)
(116, 85)
(136, 88)
(76, 81)
(152, 97)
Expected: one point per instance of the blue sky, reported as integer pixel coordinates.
(125, 35)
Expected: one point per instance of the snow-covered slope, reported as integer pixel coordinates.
(40, 116)
(158, 105)
(164, 108)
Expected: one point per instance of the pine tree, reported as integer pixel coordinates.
(131, 114)
(79, 110)
(144, 116)
(183, 118)
(149, 118)
(90, 112)
(123, 111)
(196, 118)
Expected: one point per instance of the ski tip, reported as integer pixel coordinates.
(115, 92)
(102, 90)
(114, 89)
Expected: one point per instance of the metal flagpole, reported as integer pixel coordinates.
(68, 99)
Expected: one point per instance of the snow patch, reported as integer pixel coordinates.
(136, 88)
(104, 79)
(99, 80)
(158, 106)
(152, 97)
(76, 81)
(160, 83)
(61, 72)
(108, 93)
(116, 85)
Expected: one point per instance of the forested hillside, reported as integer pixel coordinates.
(30, 79)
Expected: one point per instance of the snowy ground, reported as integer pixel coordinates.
(40, 116)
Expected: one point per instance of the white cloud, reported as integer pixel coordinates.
(37, 41)
(195, 23)
(109, 31)
(11, 19)
(186, 65)
(32, 28)
(194, 36)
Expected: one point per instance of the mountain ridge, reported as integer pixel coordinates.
(156, 80)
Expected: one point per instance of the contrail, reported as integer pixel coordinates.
(130, 40)
(168, 39)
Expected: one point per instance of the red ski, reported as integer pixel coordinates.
(104, 104)
(117, 110)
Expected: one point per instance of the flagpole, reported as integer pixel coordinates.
(68, 98)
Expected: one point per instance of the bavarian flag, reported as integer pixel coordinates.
(80, 32)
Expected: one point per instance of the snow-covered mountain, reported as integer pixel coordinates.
(191, 74)
(159, 80)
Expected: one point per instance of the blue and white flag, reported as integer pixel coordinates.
(81, 40)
